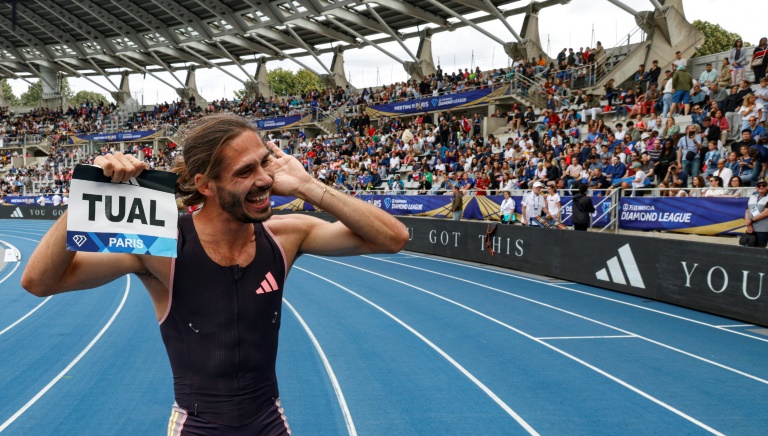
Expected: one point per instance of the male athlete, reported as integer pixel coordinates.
(219, 301)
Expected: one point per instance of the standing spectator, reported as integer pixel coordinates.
(682, 83)
(554, 203)
(507, 209)
(689, 152)
(679, 61)
(759, 57)
(724, 78)
(755, 215)
(533, 204)
(737, 58)
(582, 208)
(457, 206)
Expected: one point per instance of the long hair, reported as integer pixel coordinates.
(202, 154)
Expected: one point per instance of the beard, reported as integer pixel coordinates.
(234, 205)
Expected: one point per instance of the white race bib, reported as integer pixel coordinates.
(137, 217)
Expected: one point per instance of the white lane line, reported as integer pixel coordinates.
(15, 267)
(19, 237)
(734, 326)
(334, 381)
(82, 354)
(602, 297)
(445, 355)
(25, 316)
(586, 318)
(552, 338)
(551, 347)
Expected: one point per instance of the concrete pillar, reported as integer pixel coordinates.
(668, 31)
(338, 76)
(123, 98)
(426, 63)
(530, 47)
(51, 88)
(121, 146)
(259, 86)
(190, 89)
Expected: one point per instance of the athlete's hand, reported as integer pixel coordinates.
(120, 167)
(289, 176)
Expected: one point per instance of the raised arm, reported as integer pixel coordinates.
(361, 227)
(52, 269)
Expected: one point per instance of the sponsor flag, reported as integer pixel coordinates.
(137, 217)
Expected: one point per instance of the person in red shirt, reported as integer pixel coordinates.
(482, 184)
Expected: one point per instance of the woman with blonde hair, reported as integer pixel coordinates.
(670, 129)
(749, 108)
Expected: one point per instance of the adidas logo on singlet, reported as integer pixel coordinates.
(267, 285)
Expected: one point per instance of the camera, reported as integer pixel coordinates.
(691, 134)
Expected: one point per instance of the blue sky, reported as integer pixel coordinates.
(569, 25)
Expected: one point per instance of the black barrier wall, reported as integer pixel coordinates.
(32, 212)
(723, 280)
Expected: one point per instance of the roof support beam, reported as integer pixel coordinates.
(474, 4)
(503, 19)
(366, 40)
(55, 32)
(282, 54)
(355, 18)
(247, 43)
(409, 9)
(88, 32)
(211, 64)
(311, 51)
(465, 21)
(146, 71)
(391, 32)
(27, 37)
(151, 23)
(74, 71)
(113, 22)
(185, 16)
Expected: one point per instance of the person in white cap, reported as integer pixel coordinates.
(533, 204)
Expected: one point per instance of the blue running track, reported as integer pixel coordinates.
(400, 344)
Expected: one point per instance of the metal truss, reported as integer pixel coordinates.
(109, 37)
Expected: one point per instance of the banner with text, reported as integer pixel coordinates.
(442, 102)
(141, 135)
(137, 217)
(281, 123)
(702, 216)
(479, 207)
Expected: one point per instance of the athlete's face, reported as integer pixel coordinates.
(243, 189)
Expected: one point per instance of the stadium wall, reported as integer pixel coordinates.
(32, 212)
(722, 280)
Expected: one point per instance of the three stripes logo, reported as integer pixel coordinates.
(267, 285)
(17, 213)
(613, 272)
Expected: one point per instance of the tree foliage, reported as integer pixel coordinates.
(34, 93)
(717, 39)
(8, 95)
(83, 96)
(286, 82)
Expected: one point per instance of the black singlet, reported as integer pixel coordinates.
(221, 329)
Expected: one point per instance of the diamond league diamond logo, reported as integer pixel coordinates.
(387, 202)
(434, 102)
(260, 124)
(79, 240)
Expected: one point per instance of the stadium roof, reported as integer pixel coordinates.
(86, 37)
